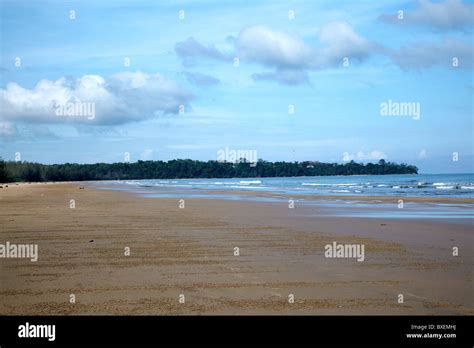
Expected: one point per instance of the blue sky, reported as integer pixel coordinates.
(283, 61)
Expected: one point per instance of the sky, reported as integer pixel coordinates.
(330, 81)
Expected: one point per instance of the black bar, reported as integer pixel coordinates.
(192, 330)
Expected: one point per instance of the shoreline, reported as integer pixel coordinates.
(387, 198)
(190, 251)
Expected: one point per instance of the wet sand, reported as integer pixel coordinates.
(190, 252)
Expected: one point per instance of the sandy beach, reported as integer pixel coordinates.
(191, 252)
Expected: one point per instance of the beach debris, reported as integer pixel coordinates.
(91, 241)
(1, 186)
(383, 224)
(81, 187)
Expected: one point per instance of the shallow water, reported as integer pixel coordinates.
(424, 185)
(281, 190)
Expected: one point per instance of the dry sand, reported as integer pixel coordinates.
(190, 251)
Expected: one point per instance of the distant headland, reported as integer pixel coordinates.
(186, 168)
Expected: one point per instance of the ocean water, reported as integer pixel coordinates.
(421, 185)
(304, 189)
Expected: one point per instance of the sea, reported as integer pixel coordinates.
(307, 189)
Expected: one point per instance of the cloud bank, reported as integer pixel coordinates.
(290, 58)
(447, 15)
(121, 98)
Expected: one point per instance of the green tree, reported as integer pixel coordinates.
(4, 175)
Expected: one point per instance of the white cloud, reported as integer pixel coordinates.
(449, 14)
(122, 98)
(289, 55)
(425, 55)
(340, 40)
(364, 156)
(292, 58)
(284, 51)
(273, 48)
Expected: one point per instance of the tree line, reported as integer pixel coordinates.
(185, 168)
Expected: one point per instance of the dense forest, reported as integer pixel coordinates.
(186, 168)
